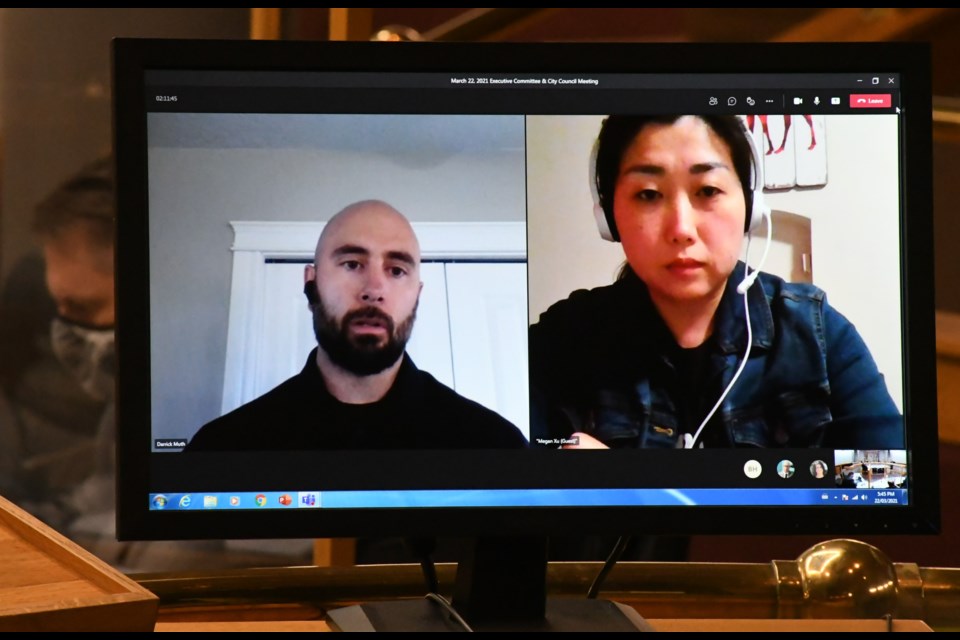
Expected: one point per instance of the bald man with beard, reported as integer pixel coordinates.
(359, 389)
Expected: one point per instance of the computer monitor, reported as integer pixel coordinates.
(277, 195)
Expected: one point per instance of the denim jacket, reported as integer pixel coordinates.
(603, 362)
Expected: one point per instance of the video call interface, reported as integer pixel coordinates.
(537, 351)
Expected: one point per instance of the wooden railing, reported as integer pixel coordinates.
(657, 590)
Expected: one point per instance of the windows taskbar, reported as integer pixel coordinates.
(448, 498)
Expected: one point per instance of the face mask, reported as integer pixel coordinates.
(88, 354)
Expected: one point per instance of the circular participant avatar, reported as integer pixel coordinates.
(818, 469)
(785, 469)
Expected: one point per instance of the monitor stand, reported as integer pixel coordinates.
(500, 586)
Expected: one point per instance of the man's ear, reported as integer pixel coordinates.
(310, 284)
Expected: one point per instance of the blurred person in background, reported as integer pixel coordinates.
(57, 360)
(57, 382)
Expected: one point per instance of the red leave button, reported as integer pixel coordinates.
(870, 101)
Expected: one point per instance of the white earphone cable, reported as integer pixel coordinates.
(690, 441)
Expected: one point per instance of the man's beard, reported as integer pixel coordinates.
(361, 355)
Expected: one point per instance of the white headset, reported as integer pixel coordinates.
(759, 209)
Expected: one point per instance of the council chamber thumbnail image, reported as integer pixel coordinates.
(871, 469)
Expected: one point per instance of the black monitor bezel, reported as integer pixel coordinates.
(133, 57)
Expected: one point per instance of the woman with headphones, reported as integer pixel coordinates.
(690, 347)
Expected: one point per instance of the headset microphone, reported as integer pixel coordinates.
(751, 277)
(746, 283)
(759, 211)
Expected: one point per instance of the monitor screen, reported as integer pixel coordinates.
(480, 289)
